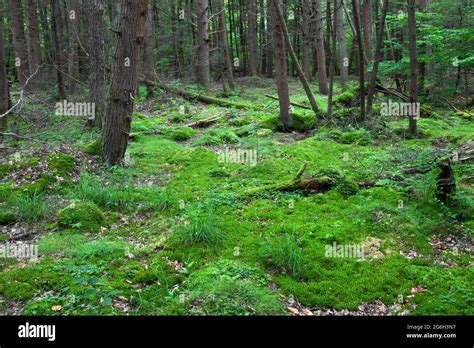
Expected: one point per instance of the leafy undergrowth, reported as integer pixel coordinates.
(172, 234)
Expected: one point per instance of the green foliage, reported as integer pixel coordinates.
(84, 216)
(30, 208)
(95, 148)
(200, 229)
(285, 254)
(219, 136)
(231, 288)
(7, 218)
(180, 133)
(60, 163)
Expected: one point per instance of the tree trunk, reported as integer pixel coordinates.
(148, 49)
(367, 28)
(33, 36)
(19, 40)
(252, 37)
(202, 72)
(413, 63)
(320, 50)
(306, 7)
(118, 117)
(58, 52)
(341, 38)
(3, 80)
(281, 68)
(98, 60)
(301, 75)
(270, 36)
(378, 58)
(228, 68)
(73, 64)
(355, 8)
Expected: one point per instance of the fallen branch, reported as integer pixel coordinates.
(204, 123)
(199, 97)
(458, 111)
(294, 104)
(298, 183)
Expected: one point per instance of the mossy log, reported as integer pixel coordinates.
(206, 99)
(298, 183)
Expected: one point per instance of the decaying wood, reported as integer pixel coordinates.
(204, 123)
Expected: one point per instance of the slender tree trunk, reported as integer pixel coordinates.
(270, 36)
(355, 9)
(341, 38)
(15, 9)
(263, 60)
(281, 68)
(73, 13)
(123, 85)
(252, 37)
(33, 36)
(202, 72)
(413, 63)
(367, 28)
(3, 80)
(301, 75)
(148, 48)
(378, 58)
(228, 67)
(306, 8)
(58, 52)
(332, 71)
(98, 56)
(320, 50)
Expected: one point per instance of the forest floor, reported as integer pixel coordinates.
(176, 231)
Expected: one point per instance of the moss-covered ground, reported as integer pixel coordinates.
(170, 233)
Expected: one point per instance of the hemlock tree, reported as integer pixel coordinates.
(118, 117)
(413, 63)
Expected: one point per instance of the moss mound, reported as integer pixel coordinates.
(84, 216)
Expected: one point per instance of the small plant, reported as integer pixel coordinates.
(285, 253)
(80, 215)
(199, 230)
(30, 208)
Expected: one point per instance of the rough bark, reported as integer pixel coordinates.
(118, 117)
(306, 8)
(98, 56)
(320, 49)
(252, 37)
(202, 71)
(228, 67)
(33, 36)
(367, 29)
(281, 68)
(341, 38)
(15, 10)
(58, 53)
(270, 45)
(413, 63)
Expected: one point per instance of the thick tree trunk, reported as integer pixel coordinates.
(252, 37)
(413, 63)
(33, 36)
(98, 59)
(15, 10)
(281, 68)
(58, 52)
(320, 50)
(341, 38)
(202, 72)
(118, 117)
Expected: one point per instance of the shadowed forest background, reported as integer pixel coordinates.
(236, 157)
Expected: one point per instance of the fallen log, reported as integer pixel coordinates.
(204, 123)
(198, 97)
(294, 104)
(298, 183)
(458, 111)
(425, 110)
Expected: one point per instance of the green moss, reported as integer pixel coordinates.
(5, 169)
(61, 163)
(4, 237)
(85, 216)
(7, 218)
(180, 133)
(41, 185)
(95, 148)
(218, 137)
(360, 137)
(231, 288)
